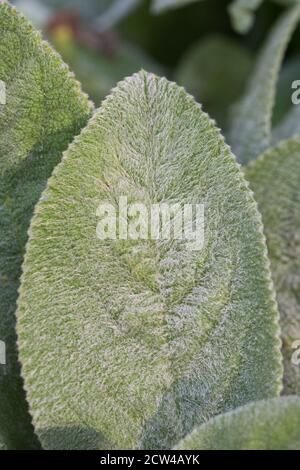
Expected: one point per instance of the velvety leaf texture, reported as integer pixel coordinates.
(242, 14)
(275, 177)
(131, 343)
(44, 108)
(265, 425)
(252, 117)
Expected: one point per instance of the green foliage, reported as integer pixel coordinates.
(290, 71)
(208, 71)
(242, 14)
(115, 11)
(99, 72)
(158, 6)
(2, 444)
(275, 180)
(252, 118)
(146, 343)
(135, 342)
(265, 425)
(289, 126)
(44, 109)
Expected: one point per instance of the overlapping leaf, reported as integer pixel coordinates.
(43, 109)
(265, 425)
(131, 343)
(275, 178)
(252, 118)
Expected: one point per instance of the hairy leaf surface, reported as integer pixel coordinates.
(265, 425)
(252, 117)
(42, 111)
(275, 177)
(134, 342)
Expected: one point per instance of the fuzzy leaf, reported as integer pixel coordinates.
(242, 14)
(43, 109)
(201, 68)
(252, 118)
(133, 343)
(275, 177)
(265, 425)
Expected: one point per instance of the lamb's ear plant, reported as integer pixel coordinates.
(132, 343)
(265, 425)
(275, 178)
(43, 109)
(251, 131)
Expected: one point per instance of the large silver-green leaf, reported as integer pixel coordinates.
(202, 66)
(242, 14)
(265, 425)
(252, 117)
(43, 109)
(131, 343)
(275, 179)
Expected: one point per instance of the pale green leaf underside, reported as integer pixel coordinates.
(242, 14)
(44, 109)
(266, 425)
(159, 6)
(275, 177)
(252, 117)
(133, 343)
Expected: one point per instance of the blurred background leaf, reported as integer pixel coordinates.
(208, 71)
(195, 42)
